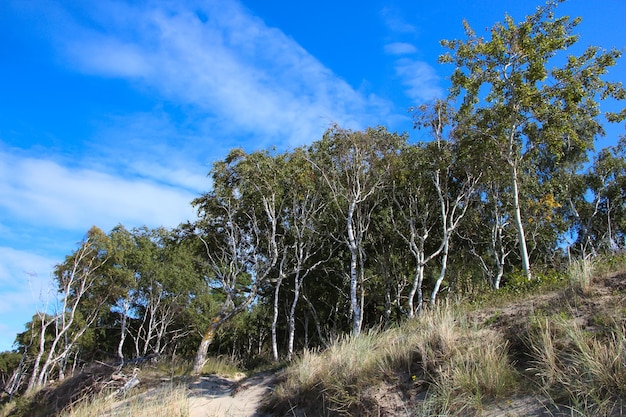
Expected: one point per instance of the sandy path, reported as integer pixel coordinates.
(214, 396)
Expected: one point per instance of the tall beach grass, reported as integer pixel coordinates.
(457, 365)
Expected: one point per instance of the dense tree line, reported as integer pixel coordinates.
(292, 249)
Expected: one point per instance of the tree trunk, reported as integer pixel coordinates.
(203, 349)
(316, 319)
(120, 346)
(416, 288)
(292, 316)
(518, 223)
(275, 317)
(442, 274)
(354, 276)
(36, 367)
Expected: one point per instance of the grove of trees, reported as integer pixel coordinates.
(292, 249)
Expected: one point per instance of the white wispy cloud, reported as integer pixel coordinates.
(419, 78)
(127, 59)
(227, 63)
(43, 192)
(395, 21)
(152, 147)
(400, 48)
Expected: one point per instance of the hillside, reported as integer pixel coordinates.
(556, 352)
(560, 352)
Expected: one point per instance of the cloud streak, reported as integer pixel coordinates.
(219, 58)
(25, 279)
(419, 78)
(400, 48)
(43, 192)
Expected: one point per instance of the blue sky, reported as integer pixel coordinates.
(113, 112)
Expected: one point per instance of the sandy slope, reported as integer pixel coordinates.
(214, 396)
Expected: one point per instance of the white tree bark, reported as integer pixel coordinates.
(77, 282)
(452, 212)
(241, 254)
(523, 249)
(279, 281)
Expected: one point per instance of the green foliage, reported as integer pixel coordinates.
(517, 283)
(9, 361)
(601, 220)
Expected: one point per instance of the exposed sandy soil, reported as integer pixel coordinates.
(215, 396)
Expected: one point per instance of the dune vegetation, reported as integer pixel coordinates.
(558, 349)
(477, 272)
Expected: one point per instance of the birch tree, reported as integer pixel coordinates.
(416, 215)
(304, 208)
(522, 109)
(604, 224)
(492, 249)
(84, 288)
(354, 166)
(453, 183)
(240, 244)
(123, 246)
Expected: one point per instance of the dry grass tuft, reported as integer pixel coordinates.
(578, 367)
(581, 273)
(170, 401)
(221, 366)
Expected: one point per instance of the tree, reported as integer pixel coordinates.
(166, 284)
(122, 243)
(238, 229)
(354, 166)
(493, 244)
(84, 287)
(523, 111)
(416, 211)
(11, 373)
(454, 184)
(604, 222)
(304, 207)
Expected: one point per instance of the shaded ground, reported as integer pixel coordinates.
(215, 396)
